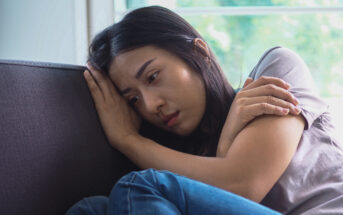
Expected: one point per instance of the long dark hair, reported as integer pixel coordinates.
(165, 29)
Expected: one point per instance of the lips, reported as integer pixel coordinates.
(170, 118)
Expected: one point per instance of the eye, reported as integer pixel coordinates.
(133, 100)
(152, 77)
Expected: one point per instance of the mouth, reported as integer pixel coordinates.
(171, 119)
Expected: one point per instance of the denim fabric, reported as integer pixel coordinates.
(95, 205)
(162, 192)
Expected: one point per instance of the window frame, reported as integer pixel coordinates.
(245, 11)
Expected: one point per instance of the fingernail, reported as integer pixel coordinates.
(296, 100)
(86, 73)
(297, 110)
(88, 65)
(285, 110)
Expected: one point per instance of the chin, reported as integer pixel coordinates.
(178, 129)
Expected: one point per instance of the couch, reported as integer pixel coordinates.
(53, 151)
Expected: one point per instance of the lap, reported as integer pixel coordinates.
(166, 191)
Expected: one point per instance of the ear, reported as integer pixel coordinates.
(202, 45)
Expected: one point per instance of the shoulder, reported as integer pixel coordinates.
(283, 63)
(287, 65)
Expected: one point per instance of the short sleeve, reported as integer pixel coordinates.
(285, 64)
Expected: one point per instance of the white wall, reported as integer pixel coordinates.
(51, 30)
(37, 30)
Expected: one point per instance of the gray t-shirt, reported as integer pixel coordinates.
(313, 181)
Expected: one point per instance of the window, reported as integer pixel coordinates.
(240, 31)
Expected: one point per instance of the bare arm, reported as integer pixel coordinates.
(257, 158)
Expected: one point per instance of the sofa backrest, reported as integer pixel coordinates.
(53, 151)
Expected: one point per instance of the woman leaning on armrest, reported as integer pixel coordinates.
(262, 150)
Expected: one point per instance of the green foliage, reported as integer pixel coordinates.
(239, 41)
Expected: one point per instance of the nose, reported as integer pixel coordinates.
(152, 102)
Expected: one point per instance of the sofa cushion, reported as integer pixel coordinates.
(53, 151)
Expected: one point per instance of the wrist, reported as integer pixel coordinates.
(132, 138)
(127, 141)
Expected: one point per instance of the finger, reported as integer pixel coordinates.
(247, 82)
(265, 108)
(269, 90)
(273, 101)
(264, 80)
(95, 73)
(102, 78)
(93, 88)
(105, 85)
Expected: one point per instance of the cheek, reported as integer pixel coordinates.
(199, 100)
(146, 116)
(198, 91)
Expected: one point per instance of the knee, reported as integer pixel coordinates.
(147, 176)
(132, 184)
(147, 179)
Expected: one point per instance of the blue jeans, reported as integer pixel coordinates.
(151, 192)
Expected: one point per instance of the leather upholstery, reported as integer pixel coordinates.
(53, 151)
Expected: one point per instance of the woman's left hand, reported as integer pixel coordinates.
(267, 95)
(118, 119)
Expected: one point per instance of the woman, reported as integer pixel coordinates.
(156, 83)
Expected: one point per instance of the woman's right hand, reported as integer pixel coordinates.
(117, 118)
(267, 95)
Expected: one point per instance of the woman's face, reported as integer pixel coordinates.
(162, 88)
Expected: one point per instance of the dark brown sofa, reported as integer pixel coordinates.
(53, 151)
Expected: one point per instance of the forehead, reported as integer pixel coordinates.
(129, 62)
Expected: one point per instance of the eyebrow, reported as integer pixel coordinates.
(139, 73)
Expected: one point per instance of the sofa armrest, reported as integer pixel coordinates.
(53, 151)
